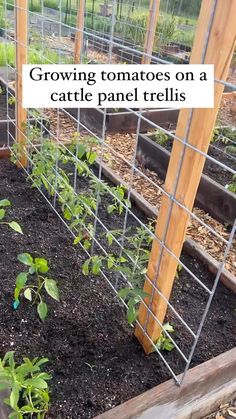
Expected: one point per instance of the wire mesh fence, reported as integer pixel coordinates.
(95, 170)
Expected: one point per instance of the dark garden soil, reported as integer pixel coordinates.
(3, 108)
(211, 169)
(95, 360)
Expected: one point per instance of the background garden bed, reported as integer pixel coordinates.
(211, 169)
(123, 120)
(211, 196)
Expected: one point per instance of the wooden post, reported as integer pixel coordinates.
(154, 7)
(217, 26)
(21, 19)
(79, 35)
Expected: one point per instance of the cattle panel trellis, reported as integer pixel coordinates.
(121, 261)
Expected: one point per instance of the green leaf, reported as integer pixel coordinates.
(141, 293)
(87, 244)
(41, 264)
(81, 150)
(67, 214)
(110, 262)
(41, 361)
(21, 280)
(109, 238)
(42, 310)
(96, 265)
(15, 226)
(92, 157)
(132, 313)
(122, 259)
(168, 327)
(78, 239)
(168, 345)
(14, 415)
(9, 357)
(51, 288)
(14, 396)
(110, 209)
(124, 292)
(36, 383)
(2, 213)
(25, 258)
(28, 409)
(5, 203)
(85, 268)
(32, 270)
(28, 294)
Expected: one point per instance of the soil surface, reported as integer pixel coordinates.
(95, 360)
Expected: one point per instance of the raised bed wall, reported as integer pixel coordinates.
(124, 122)
(211, 197)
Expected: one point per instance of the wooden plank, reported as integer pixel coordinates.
(21, 19)
(219, 29)
(205, 388)
(79, 34)
(154, 7)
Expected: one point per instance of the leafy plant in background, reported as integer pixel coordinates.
(27, 383)
(215, 135)
(12, 224)
(11, 101)
(164, 343)
(178, 270)
(37, 268)
(232, 186)
(165, 32)
(160, 137)
(231, 149)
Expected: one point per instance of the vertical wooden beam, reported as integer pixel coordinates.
(154, 7)
(214, 44)
(21, 20)
(79, 35)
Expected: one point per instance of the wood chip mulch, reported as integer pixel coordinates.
(225, 411)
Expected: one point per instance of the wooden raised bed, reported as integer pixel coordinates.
(124, 121)
(211, 196)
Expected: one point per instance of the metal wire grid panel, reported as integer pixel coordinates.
(70, 159)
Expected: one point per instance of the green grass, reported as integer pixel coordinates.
(7, 56)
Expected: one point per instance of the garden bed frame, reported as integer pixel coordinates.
(211, 196)
(124, 121)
